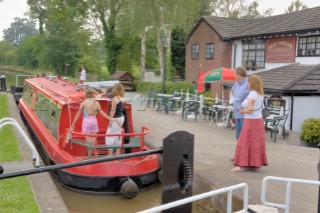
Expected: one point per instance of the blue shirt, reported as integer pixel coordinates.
(240, 93)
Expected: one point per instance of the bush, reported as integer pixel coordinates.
(170, 87)
(310, 130)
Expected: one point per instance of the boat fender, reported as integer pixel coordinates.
(129, 189)
(1, 169)
(185, 175)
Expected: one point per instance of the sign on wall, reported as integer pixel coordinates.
(276, 104)
(280, 50)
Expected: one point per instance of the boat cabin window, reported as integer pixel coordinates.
(49, 113)
(28, 94)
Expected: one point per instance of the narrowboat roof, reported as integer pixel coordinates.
(58, 89)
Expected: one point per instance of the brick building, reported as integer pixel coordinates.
(284, 50)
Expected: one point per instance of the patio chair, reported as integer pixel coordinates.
(278, 124)
(191, 107)
(151, 97)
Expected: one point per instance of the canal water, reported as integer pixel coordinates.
(85, 203)
(88, 203)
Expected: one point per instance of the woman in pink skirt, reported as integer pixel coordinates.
(251, 147)
(89, 108)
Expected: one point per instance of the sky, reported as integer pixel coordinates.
(9, 9)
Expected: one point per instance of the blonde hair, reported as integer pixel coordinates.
(255, 84)
(89, 93)
(118, 89)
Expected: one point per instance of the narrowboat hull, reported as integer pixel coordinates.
(107, 177)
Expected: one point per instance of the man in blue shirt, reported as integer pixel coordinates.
(239, 91)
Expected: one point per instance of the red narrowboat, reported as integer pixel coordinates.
(48, 107)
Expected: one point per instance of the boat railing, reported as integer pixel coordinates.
(228, 190)
(74, 137)
(289, 182)
(11, 121)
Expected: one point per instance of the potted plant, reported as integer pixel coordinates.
(310, 133)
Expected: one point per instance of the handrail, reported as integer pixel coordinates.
(229, 190)
(289, 181)
(144, 131)
(11, 121)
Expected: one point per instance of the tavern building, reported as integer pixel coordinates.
(284, 50)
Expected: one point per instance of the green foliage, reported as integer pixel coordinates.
(10, 57)
(296, 5)
(238, 9)
(104, 74)
(209, 95)
(5, 47)
(19, 30)
(92, 65)
(9, 150)
(178, 49)
(16, 196)
(27, 52)
(170, 87)
(311, 130)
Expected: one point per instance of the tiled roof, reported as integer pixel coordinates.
(292, 78)
(121, 75)
(302, 21)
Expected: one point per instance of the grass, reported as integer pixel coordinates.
(15, 193)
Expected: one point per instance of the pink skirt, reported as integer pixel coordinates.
(90, 124)
(251, 145)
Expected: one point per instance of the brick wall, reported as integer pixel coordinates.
(202, 35)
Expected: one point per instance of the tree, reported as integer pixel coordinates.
(5, 47)
(39, 10)
(251, 11)
(27, 52)
(238, 9)
(19, 30)
(178, 49)
(161, 17)
(108, 12)
(295, 5)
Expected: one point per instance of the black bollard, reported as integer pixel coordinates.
(177, 170)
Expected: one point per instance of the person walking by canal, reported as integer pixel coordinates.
(115, 127)
(3, 86)
(251, 147)
(89, 108)
(83, 74)
(239, 91)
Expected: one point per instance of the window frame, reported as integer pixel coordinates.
(305, 44)
(195, 49)
(209, 51)
(258, 47)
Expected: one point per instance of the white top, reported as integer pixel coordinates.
(258, 105)
(83, 75)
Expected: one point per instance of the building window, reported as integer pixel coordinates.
(195, 51)
(253, 54)
(309, 46)
(209, 51)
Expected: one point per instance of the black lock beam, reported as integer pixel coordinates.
(177, 170)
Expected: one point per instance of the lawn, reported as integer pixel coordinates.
(15, 193)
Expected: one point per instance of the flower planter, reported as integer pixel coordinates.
(306, 144)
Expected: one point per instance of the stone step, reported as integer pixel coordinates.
(260, 209)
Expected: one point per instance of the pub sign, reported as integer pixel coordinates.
(280, 50)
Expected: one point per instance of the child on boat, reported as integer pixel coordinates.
(89, 108)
